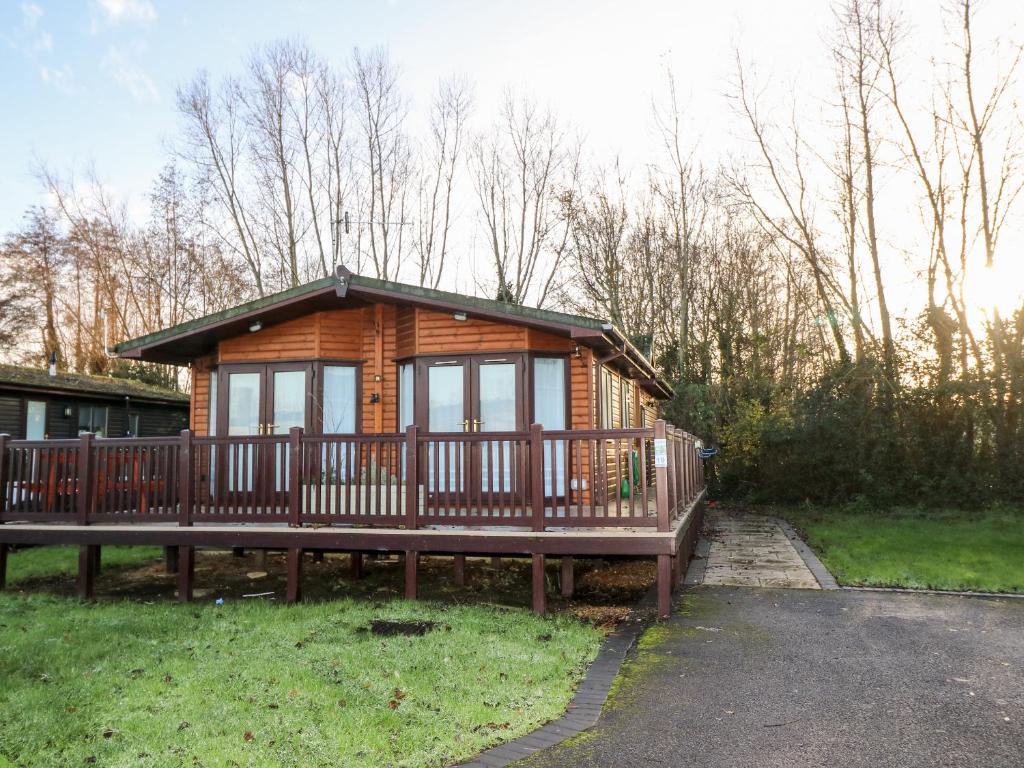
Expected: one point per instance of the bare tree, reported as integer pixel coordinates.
(683, 191)
(388, 158)
(856, 53)
(214, 143)
(525, 171)
(435, 178)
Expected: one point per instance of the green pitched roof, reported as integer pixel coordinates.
(17, 377)
(358, 281)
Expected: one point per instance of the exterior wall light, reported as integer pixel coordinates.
(460, 316)
(255, 325)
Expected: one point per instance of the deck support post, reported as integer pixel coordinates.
(677, 570)
(261, 560)
(86, 571)
(355, 565)
(3, 560)
(294, 477)
(460, 570)
(318, 555)
(568, 574)
(539, 606)
(661, 479)
(412, 561)
(496, 563)
(97, 559)
(664, 586)
(537, 475)
(293, 593)
(238, 551)
(186, 573)
(170, 559)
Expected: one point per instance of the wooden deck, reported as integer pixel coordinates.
(181, 494)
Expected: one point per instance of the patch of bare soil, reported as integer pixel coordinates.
(606, 590)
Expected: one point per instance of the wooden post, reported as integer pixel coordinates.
(294, 589)
(261, 560)
(568, 576)
(318, 555)
(411, 574)
(538, 585)
(3, 559)
(186, 572)
(661, 478)
(677, 569)
(4, 437)
(294, 481)
(186, 488)
(97, 558)
(86, 571)
(460, 570)
(664, 586)
(84, 479)
(537, 475)
(496, 563)
(412, 489)
(238, 551)
(171, 559)
(186, 483)
(355, 565)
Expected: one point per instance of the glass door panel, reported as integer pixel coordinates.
(549, 397)
(339, 417)
(496, 390)
(288, 410)
(243, 420)
(446, 412)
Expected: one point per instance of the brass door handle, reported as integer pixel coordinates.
(465, 425)
(477, 424)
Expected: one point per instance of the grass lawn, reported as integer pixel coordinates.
(253, 683)
(39, 562)
(937, 549)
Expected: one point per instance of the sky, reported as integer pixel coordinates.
(91, 84)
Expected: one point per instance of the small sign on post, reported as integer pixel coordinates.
(660, 452)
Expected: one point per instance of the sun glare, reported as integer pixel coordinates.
(999, 287)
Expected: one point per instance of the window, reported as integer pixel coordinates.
(133, 425)
(625, 409)
(211, 424)
(339, 399)
(406, 395)
(607, 399)
(92, 418)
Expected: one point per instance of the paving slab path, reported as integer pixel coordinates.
(745, 550)
(779, 678)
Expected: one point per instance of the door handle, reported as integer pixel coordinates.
(477, 424)
(465, 425)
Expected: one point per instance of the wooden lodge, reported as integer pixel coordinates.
(353, 414)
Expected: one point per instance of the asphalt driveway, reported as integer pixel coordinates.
(761, 677)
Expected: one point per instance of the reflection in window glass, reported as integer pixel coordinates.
(406, 395)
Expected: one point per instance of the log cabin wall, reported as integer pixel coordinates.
(379, 335)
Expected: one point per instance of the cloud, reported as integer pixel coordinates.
(134, 11)
(62, 79)
(130, 75)
(30, 35)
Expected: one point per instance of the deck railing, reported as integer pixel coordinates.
(538, 479)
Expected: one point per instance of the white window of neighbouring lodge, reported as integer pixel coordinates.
(92, 418)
